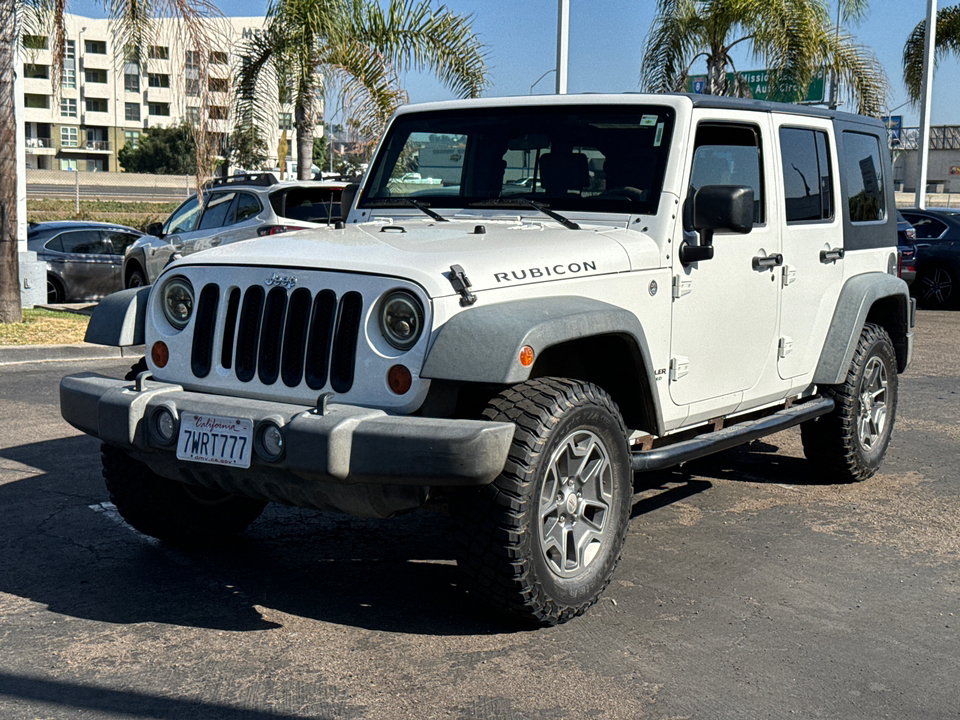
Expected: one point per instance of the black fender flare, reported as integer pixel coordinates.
(856, 300)
(482, 343)
(119, 319)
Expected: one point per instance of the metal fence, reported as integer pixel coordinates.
(125, 187)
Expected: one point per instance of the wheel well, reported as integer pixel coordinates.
(612, 362)
(132, 266)
(892, 314)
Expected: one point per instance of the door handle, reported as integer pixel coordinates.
(215, 241)
(829, 256)
(762, 262)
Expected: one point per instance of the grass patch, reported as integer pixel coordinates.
(45, 327)
(135, 214)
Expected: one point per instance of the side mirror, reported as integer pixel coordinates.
(154, 228)
(347, 197)
(716, 207)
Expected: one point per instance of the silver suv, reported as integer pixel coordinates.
(230, 209)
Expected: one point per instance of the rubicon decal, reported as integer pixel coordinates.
(546, 271)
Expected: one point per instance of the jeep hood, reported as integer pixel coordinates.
(492, 253)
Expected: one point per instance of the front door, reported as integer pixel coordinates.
(725, 309)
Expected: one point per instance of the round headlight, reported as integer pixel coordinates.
(401, 319)
(177, 300)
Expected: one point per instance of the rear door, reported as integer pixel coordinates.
(812, 273)
(85, 264)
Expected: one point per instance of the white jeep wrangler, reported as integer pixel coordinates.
(529, 301)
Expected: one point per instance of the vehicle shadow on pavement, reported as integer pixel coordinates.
(83, 697)
(65, 547)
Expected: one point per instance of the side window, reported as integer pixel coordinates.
(730, 155)
(119, 241)
(927, 228)
(864, 177)
(184, 218)
(807, 183)
(87, 242)
(247, 207)
(217, 210)
(54, 244)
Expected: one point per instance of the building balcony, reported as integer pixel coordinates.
(99, 146)
(96, 61)
(40, 146)
(37, 86)
(39, 115)
(159, 95)
(97, 90)
(96, 118)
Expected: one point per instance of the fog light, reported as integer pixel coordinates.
(160, 354)
(399, 379)
(271, 442)
(164, 425)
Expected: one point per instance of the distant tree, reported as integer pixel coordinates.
(361, 45)
(247, 148)
(948, 41)
(162, 151)
(320, 158)
(793, 39)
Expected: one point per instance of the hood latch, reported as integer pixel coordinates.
(461, 284)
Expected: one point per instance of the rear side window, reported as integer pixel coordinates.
(247, 207)
(217, 210)
(729, 155)
(83, 241)
(927, 228)
(863, 171)
(807, 181)
(317, 205)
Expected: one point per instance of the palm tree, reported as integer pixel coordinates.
(308, 46)
(948, 40)
(135, 25)
(793, 38)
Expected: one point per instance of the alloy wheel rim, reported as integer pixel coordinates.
(937, 285)
(576, 503)
(872, 411)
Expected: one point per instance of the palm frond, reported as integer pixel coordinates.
(947, 41)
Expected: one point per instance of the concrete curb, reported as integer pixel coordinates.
(17, 354)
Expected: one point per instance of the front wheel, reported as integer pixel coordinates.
(173, 511)
(851, 441)
(542, 541)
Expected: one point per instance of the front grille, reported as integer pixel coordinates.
(293, 336)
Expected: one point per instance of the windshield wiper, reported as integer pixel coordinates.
(523, 202)
(394, 202)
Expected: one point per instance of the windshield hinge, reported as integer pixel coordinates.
(461, 284)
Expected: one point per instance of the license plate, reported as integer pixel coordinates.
(214, 439)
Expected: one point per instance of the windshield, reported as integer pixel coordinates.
(589, 158)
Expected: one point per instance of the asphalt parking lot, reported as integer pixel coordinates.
(749, 588)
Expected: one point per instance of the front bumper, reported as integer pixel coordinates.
(346, 445)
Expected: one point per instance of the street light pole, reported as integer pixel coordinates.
(563, 42)
(927, 92)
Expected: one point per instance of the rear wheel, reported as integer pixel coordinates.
(936, 287)
(136, 278)
(55, 291)
(542, 541)
(851, 441)
(170, 510)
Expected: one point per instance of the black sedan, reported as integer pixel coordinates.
(84, 259)
(938, 256)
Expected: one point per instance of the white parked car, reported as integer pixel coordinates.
(680, 274)
(232, 209)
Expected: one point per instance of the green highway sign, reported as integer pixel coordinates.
(759, 84)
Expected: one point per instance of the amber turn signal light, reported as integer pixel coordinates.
(399, 379)
(526, 356)
(160, 354)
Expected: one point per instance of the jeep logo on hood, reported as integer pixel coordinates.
(287, 281)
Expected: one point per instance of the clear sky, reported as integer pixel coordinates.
(606, 44)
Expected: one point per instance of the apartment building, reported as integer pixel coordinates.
(105, 101)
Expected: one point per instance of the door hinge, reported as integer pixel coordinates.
(681, 287)
(789, 274)
(679, 366)
(785, 346)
